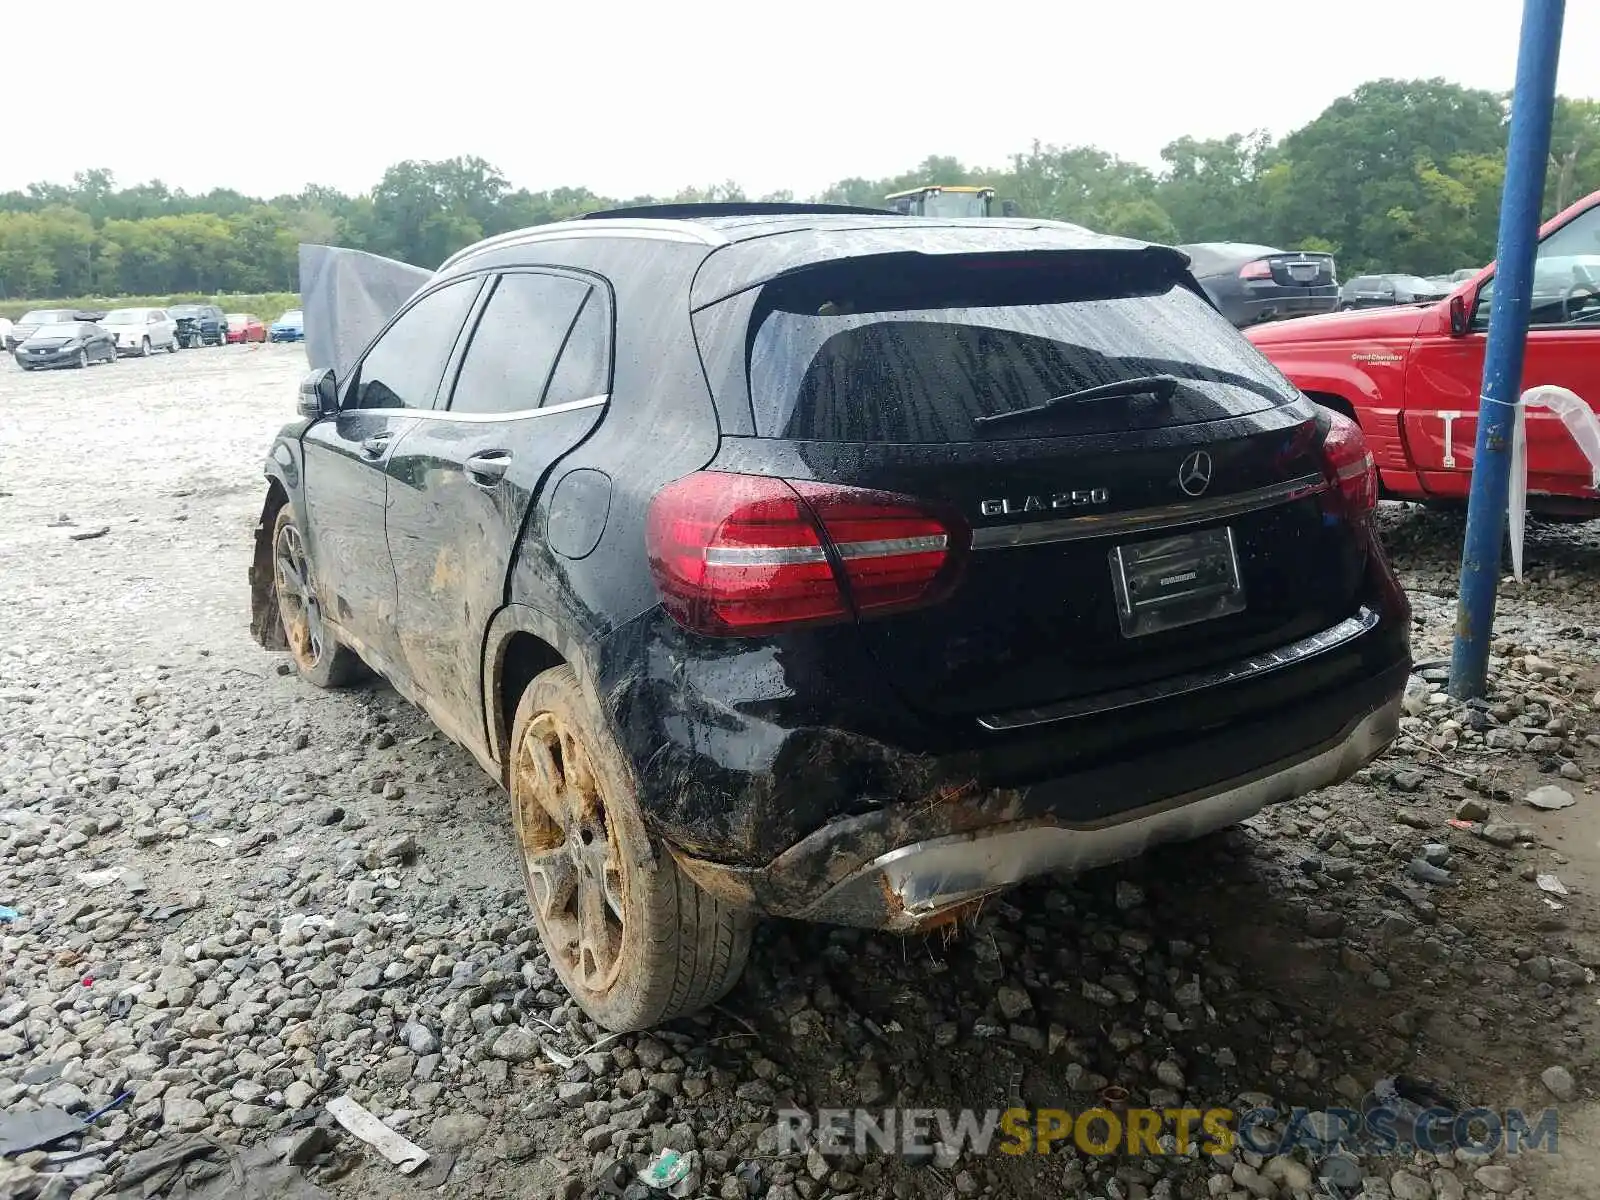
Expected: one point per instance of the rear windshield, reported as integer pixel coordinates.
(47, 316)
(835, 355)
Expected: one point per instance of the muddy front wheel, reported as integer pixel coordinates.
(317, 653)
(633, 939)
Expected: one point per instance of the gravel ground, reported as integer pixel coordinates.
(238, 898)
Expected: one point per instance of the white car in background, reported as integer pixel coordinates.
(141, 331)
(5, 332)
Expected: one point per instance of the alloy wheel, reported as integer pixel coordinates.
(573, 859)
(298, 608)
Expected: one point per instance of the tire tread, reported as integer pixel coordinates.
(696, 945)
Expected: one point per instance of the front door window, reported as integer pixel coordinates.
(1566, 278)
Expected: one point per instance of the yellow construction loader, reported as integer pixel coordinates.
(950, 200)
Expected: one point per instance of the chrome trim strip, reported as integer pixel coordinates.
(444, 414)
(1166, 516)
(1257, 665)
(881, 547)
(763, 556)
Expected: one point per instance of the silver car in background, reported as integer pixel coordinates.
(31, 322)
(141, 331)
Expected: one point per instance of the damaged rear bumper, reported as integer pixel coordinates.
(906, 868)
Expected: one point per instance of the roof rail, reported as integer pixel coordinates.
(736, 208)
(557, 230)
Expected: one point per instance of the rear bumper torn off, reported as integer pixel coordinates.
(922, 882)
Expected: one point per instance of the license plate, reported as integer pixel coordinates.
(1303, 272)
(1174, 581)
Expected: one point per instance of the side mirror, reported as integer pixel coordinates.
(1010, 208)
(1459, 322)
(319, 394)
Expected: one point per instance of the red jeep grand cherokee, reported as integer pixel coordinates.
(1410, 375)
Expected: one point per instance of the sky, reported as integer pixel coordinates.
(630, 99)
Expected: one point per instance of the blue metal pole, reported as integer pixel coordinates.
(1527, 152)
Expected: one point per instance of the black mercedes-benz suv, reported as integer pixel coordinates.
(833, 564)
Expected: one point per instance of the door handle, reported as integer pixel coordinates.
(488, 468)
(374, 446)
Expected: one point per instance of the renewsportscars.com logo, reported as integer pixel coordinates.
(1155, 1132)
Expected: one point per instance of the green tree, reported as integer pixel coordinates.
(263, 255)
(867, 193)
(25, 266)
(422, 212)
(1081, 184)
(718, 193)
(1140, 217)
(1397, 175)
(1574, 153)
(141, 253)
(1452, 220)
(1357, 163)
(1212, 189)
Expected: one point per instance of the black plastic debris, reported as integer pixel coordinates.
(24, 1131)
(43, 1073)
(174, 913)
(198, 1168)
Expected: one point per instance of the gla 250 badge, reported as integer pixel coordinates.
(1007, 506)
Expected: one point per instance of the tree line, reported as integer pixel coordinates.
(1399, 175)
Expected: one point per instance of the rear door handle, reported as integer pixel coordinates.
(488, 468)
(374, 446)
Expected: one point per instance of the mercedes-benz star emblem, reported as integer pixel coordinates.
(1194, 474)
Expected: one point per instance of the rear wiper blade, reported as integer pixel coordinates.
(1159, 386)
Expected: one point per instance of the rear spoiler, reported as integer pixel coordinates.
(346, 297)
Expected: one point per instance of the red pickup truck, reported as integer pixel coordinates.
(1411, 375)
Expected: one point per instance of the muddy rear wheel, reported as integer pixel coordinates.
(633, 939)
(316, 651)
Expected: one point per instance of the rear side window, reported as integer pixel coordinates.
(514, 348)
(405, 364)
(585, 367)
(835, 355)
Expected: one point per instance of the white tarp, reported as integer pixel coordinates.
(1581, 423)
(347, 296)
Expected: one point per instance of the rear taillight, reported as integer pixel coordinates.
(737, 555)
(1348, 464)
(1260, 269)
